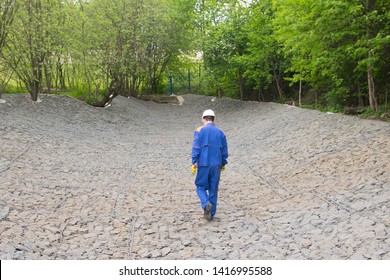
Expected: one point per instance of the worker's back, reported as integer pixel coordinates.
(210, 146)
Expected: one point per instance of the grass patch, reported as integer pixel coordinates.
(94, 99)
(361, 112)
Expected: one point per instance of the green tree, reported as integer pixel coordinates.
(131, 43)
(240, 52)
(330, 41)
(29, 42)
(7, 11)
(264, 56)
(372, 48)
(224, 45)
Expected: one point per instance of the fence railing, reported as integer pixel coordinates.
(179, 83)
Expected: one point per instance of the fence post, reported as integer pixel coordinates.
(170, 84)
(189, 80)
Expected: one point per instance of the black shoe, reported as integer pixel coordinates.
(215, 219)
(207, 212)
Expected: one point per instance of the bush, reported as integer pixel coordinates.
(336, 99)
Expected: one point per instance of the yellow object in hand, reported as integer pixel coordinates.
(222, 168)
(193, 168)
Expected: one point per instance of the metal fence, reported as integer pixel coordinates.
(179, 83)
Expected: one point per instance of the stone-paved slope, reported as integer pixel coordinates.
(78, 182)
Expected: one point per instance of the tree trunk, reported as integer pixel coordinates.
(133, 85)
(371, 90)
(48, 77)
(369, 6)
(361, 102)
(219, 92)
(61, 74)
(260, 93)
(241, 85)
(34, 89)
(279, 89)
(36, 78)
(300, 91)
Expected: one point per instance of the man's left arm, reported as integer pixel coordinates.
(225, 152)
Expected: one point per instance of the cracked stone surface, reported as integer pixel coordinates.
(79, 182)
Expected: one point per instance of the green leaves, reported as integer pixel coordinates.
(329, 40)
(92, 44)
(238, 47)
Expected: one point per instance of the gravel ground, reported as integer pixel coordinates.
(79, 182)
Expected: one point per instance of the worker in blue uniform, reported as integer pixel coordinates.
(209, 157)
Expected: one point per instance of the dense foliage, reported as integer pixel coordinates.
(330, 52)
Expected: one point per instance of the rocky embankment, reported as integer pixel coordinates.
(80, 182)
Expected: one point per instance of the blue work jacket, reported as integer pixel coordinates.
(210, 146)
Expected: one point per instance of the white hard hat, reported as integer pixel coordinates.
(208, 113)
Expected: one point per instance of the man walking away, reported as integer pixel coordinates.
(209, 157)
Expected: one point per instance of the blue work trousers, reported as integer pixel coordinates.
(207, 180)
